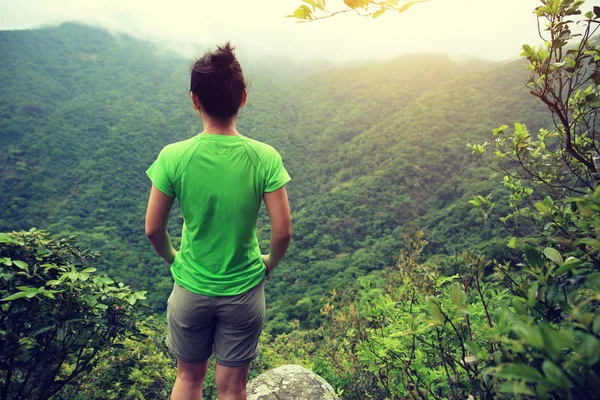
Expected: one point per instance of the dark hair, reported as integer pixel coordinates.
(218, 82)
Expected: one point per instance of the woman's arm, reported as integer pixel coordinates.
(157, 216)
(278, 208)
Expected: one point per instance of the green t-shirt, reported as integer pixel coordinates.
(219, 182)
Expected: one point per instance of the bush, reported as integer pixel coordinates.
(57, 316)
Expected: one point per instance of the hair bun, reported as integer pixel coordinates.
(223, 57)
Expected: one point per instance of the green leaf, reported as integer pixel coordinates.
(436, 311)
(555, 341)
(15, 296)
(27, 289)
(472, 347)
(131, 299)
(299, 13)
(42, 330)
(593, 281)
(6, 261)
(568, 265)
(532, 255)
(405, 7)
(554, 375)
(553, 255)
(456, 293)
(521, 371)
(596, 325)
(512, 243)
(107, 281)
(379, 13)
(516, 388)
(529, 334)
(542, 208)
(141, 294)
(532, 293)
(519, 127)
(21, 264)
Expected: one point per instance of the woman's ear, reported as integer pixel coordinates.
(195, 101)
(244, 97)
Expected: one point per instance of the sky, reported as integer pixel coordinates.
(489, 29)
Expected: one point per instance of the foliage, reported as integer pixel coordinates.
(528, 329)
(547, 324)
(562, 161)
(365, 8)
(134, 368)
(412, 337)
(57, 316)
(531, 330)
(447, 326)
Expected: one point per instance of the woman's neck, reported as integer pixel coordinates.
(212, 127)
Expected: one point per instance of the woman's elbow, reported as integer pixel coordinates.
(284, 232)
(152, 232)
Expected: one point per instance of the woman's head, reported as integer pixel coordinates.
(218, 83)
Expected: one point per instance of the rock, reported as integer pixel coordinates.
(289, 382)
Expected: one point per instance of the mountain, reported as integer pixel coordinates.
(374, 150)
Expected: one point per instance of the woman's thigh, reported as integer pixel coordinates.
(191, 319)
(239, 323)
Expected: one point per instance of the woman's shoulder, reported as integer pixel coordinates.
(261, 148)
(180, 146)
(174, 151)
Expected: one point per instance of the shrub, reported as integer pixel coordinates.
(57, 315)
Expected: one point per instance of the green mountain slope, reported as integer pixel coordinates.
(374, 151)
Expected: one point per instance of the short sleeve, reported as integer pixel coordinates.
(278, 176)
(159, 175)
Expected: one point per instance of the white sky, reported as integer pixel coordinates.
(488, 29)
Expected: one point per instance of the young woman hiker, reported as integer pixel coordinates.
(220, 179)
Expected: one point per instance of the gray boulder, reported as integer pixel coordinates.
(289, 382)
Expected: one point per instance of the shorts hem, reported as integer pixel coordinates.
(183, 358)
(236, 363)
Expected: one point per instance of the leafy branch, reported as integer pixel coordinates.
(316, 9)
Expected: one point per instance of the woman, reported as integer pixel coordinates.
(219, 178)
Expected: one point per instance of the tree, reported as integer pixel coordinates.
(56, 315)
(561, 161)
(316, 9)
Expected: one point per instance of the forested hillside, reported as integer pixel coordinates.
(400, 281)
(373, 151)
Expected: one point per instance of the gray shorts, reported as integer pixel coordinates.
(231, 325)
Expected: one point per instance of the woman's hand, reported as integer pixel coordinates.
(172, 259)
(267, 262)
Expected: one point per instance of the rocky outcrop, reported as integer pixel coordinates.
(289, 382)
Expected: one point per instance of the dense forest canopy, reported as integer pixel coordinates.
(373, 150)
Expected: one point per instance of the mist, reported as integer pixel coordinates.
(462, 28)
